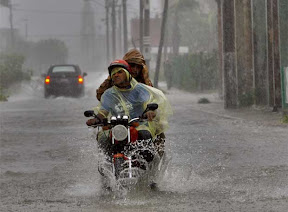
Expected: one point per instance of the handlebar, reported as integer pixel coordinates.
(109, 124)
(104, 122)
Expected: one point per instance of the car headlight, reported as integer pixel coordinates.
(120, 132)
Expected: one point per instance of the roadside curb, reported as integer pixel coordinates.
(261, 116)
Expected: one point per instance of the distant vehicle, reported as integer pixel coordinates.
(65, 79)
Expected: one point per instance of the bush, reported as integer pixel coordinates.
(3, 97)
(246, 99)
(285, 119)
(11, 72)
(194, 72)
(203, 101)
(10, 69)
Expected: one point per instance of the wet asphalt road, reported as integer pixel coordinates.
(218, 163)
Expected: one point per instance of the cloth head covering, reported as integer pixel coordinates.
(135, 56)
(132, 56)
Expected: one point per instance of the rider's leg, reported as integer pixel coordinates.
(146, 153)
(144, 134)
(104, 143)
(159, 143)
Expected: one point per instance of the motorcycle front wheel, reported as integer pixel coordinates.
(118, 166)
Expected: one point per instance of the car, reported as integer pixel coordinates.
(64, 80)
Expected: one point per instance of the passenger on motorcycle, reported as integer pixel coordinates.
(128, 97)
(139, 71)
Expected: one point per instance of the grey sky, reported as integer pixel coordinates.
(61, 19)
(58, 18)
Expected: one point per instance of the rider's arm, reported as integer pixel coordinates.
(103, 87)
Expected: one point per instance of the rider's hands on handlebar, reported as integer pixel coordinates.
(97, 120)
(91, 122)
(150, 115)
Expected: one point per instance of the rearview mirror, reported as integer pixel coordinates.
(84, 74)
(89, 113)
(152, 106)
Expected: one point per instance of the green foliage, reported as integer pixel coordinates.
(48, 52)
(11, 72)
(285, 119)
(283, 17)
(246, 99)
(3, 97)
(10, 69)
(194, 72)
(195, 27)
(43, 53)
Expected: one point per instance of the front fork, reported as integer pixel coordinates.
(119, 159)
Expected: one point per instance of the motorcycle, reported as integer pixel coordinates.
(132, 155)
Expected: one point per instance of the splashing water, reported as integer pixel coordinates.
(137, 172)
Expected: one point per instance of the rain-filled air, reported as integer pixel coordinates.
(144, 105)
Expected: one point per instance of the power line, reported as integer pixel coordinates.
(52, 11)
(56, 35)
(46, 11)
(61, 12)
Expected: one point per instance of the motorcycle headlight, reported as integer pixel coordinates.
(120, 132)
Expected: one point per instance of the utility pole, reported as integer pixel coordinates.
(125, 32)
(107, 32)
(88, 35)
(11, 26)
(120, 30)
(220, 47)
(141, 26)
(113, 30)
(244, 51)
(8, 4)
(176, 36)
(273, 54)
(229, 55)
(146, 38)
(26, 28)
(163, 24)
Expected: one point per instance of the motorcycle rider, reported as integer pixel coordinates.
(128, 97)
(139, 72)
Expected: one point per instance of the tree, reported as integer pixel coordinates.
(5, 3)
(181, 12)
(283, 15)
(164, 18)
(51, 51)
(10, 69)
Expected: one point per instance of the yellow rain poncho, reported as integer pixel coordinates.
(133, 102)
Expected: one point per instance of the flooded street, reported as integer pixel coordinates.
(218, 162)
